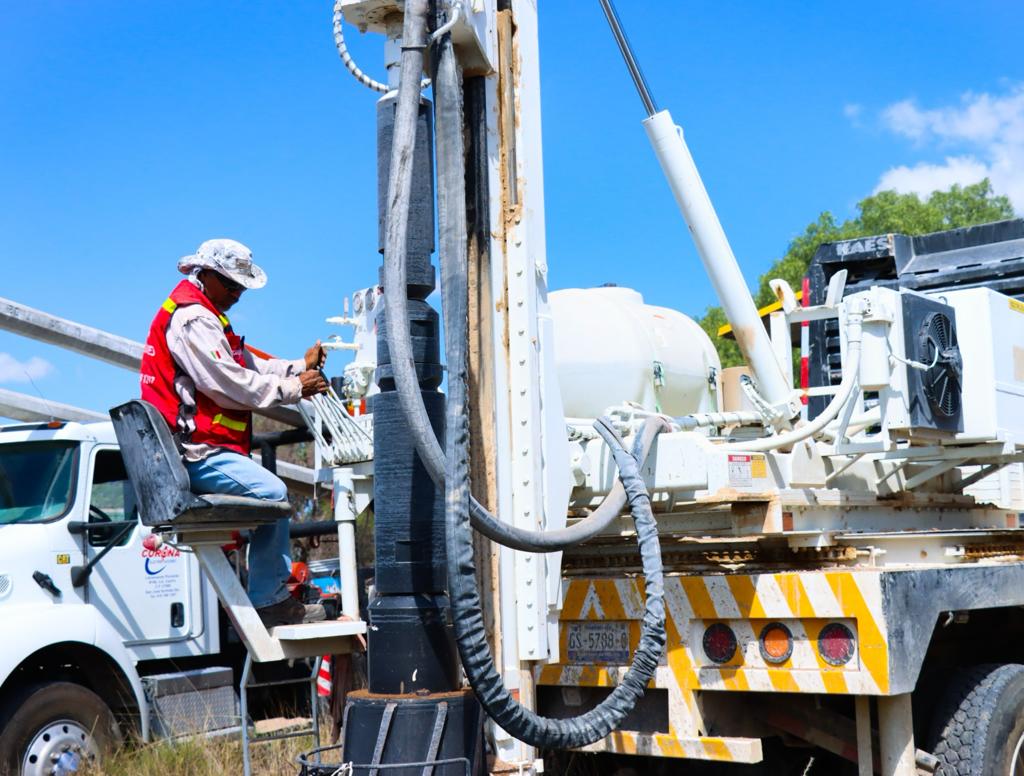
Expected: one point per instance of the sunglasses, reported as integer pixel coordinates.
(230, 285)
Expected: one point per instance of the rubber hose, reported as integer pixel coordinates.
(830, 412)
(470, 632)
(467, 617)
(397, 322)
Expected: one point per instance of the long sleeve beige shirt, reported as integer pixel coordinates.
(197, 343)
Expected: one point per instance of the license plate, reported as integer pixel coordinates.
(598, 642)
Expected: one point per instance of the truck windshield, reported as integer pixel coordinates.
(37, 480)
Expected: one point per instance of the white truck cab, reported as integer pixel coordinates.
(86, 610)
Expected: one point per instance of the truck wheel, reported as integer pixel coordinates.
(978, 728)
(51, 728)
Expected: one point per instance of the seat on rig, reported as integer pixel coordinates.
(161, 482)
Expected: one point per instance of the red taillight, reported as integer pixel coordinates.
(836, 644)
(776, 643)
(719, 643)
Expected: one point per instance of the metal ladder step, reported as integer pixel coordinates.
(284, 641)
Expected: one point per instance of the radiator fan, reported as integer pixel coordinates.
(938, 348)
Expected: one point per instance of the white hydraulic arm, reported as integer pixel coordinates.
(709, 237)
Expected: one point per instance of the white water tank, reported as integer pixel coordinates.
(611, 348)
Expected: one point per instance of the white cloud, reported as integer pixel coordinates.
(14, 371)
(982, 137)
(923, 179)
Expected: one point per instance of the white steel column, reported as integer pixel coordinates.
(529, 418)
(507, 749)
(896, 735)
(345, 516)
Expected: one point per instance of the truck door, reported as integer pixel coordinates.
(149, 596)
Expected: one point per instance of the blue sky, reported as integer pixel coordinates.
(130, 132)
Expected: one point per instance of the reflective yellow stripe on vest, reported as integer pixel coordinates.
(170, 306)
(234, 425)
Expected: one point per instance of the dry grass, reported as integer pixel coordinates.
(203, 757)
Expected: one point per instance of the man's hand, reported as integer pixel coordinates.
(312, 383)
(316, 356)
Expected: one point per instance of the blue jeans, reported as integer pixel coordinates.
(270, 561)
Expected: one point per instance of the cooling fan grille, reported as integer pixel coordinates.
(942, 380)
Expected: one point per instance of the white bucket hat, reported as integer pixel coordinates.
(228, 257)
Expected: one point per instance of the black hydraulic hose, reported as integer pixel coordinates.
(470, 631)
(396, 317)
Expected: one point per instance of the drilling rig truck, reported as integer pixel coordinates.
(597, 540)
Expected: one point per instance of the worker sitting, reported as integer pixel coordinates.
(198, 373)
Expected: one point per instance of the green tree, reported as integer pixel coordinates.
(881, 213)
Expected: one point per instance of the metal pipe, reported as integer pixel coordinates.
(393, 49)
(865, 757)
(20, 406)
(345, 516)
(314, 706)
(288, 436)
(627, 54)
(305, 530)
(35, 324)
(718, 258)
(896, 736)
(95, 343)
(845, 394)
(243, 701)
(269, 442)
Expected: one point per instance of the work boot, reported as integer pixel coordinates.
(290, 612)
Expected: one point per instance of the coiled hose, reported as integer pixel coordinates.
(350, 64)
(465, 601)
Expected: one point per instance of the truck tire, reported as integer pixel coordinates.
(48, 722)
(978, 728)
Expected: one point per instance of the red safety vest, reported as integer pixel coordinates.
(214, 425)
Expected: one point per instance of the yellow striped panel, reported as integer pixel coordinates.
(575, 595)
(700, 600)
(745, 595)
(716, 749)
(608, 595)
(744, 750)
(830, 596)
(796, 596)
(874, 651)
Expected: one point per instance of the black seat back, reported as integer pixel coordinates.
(152, 461)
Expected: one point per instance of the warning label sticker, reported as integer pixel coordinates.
(740, 470)
(758, 467)
(744, 469)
